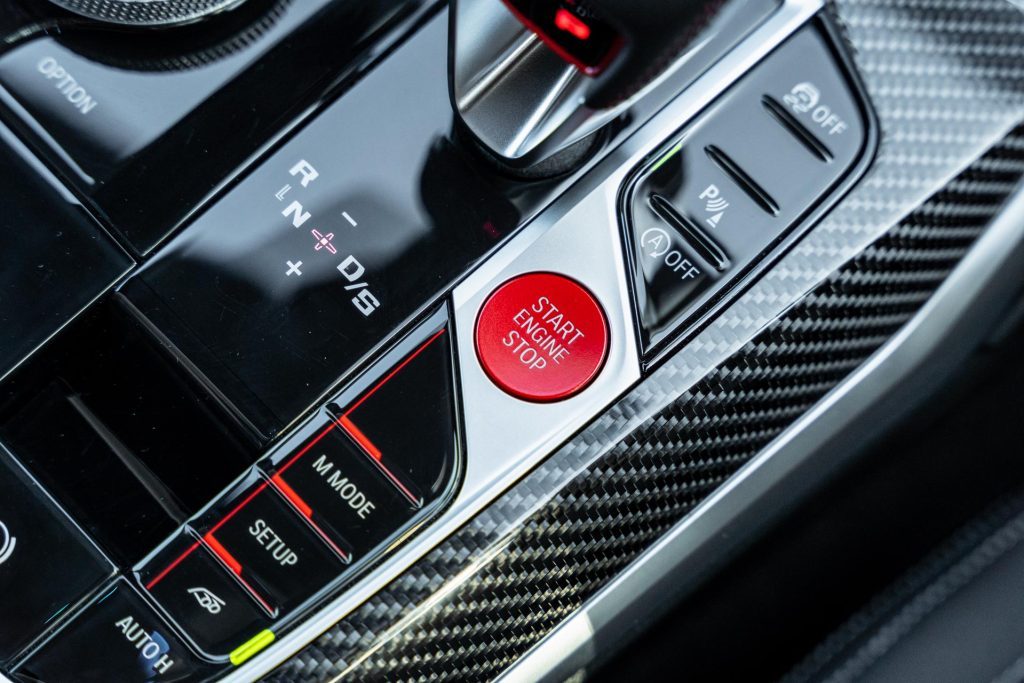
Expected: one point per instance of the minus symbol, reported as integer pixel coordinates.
(350, 220)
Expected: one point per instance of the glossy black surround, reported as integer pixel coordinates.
(103, 409)
(32, 531)
(56, 259)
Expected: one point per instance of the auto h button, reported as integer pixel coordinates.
(116, 638)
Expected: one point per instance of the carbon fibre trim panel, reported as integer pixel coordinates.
(947, 81)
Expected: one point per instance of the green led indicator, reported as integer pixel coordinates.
(668, 155)
(250, 647)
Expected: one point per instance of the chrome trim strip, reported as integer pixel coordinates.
(964, 309)
(593, 198)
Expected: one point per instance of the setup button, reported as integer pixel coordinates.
(542, 337)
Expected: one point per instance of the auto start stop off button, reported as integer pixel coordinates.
(542, 337)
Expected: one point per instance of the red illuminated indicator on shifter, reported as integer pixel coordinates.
(571, 24)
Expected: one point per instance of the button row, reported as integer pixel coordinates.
(310, 513)
(381, 457)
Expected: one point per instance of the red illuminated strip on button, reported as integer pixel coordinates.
(401, 366)
(363, 442)
(229, 561)
(306, 511)
(571, 24)
(294, 498)
(358, 436)
(181, 558)
(222, 552)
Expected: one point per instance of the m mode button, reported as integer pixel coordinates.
(345, 492)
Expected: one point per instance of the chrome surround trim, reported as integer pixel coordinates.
(584, 244)
(595, 199)
(812, 448)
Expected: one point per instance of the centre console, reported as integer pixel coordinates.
(280, 320)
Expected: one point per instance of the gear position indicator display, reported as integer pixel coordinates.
(306, 267)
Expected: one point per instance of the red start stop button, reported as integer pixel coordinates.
(542, 337)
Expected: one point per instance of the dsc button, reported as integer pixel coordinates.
(542, 337)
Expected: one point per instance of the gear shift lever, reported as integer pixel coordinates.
(623, 44)
(532, 79)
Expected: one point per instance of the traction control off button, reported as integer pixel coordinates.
(542, 337)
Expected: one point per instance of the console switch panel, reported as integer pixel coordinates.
(718, 196)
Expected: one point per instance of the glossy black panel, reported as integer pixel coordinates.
(55, 258)
(117, 638)
(716, 198)
(146, 124)
(46, 563)
(108, 424)
(345, 234)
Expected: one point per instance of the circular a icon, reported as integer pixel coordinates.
(655, 242)
(7, 543)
